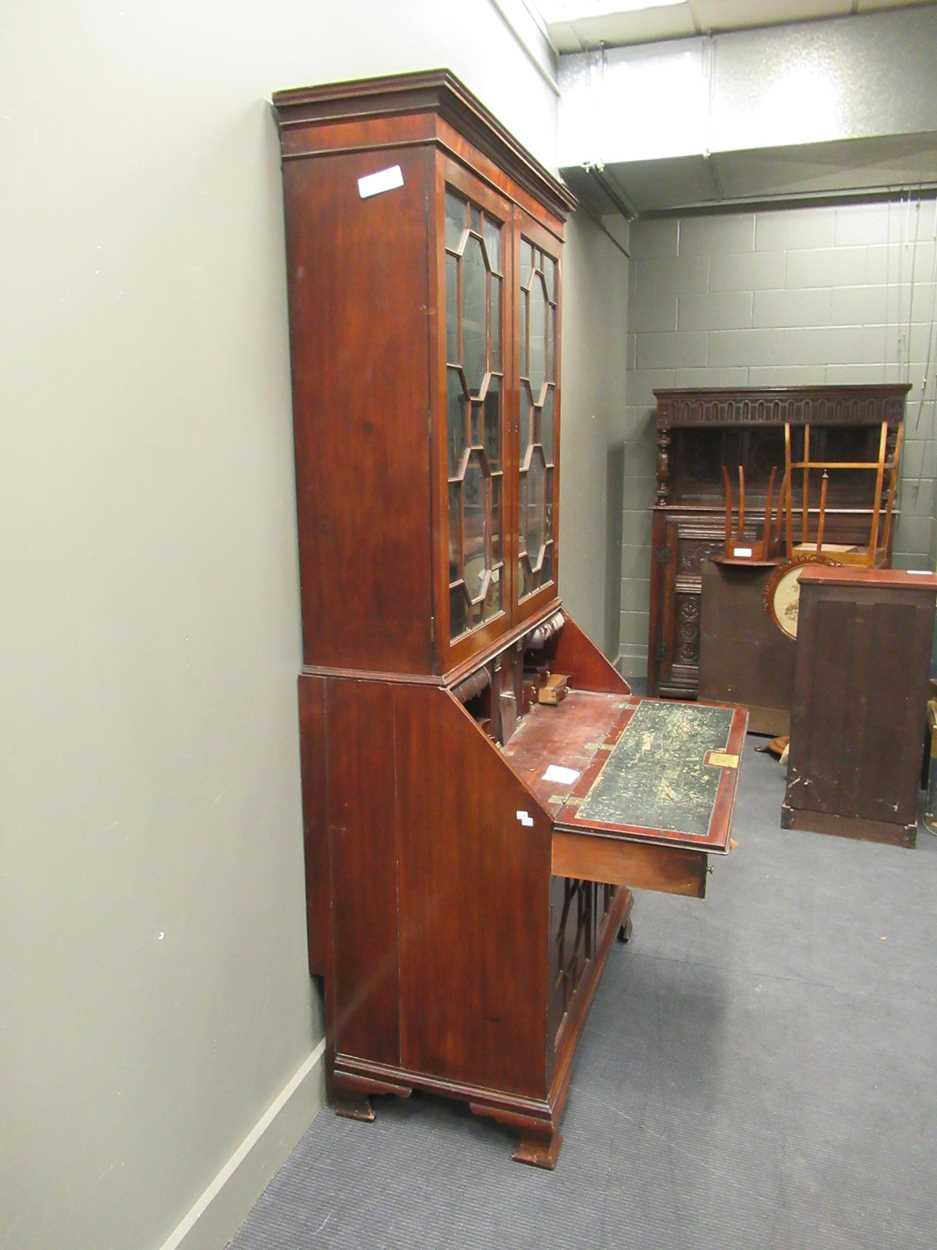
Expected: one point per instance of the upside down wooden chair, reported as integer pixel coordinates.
(875, 553)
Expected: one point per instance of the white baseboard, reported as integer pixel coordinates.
(221, 1208)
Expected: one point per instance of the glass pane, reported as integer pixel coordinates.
(527, 262)
(475, 217)
(525, 577)
(546, 573)
(455, 220)
(526, 423)
(548, 506)
(546, 425)
(522, 514)
(536, 475)
(455, 529)
(473, 524)
(494, 595)
(452, 309)
(493, 243)
(456, 420)
(551, 344)
(523, 334)
(493, 423)
(456, 611)
(538, 336)
(549, 273)
(495, 323)
(476, 425)
(474, 301)
(496, 544)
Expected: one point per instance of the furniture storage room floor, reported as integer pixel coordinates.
(757, 1073)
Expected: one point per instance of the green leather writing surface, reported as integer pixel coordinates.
(655, 776)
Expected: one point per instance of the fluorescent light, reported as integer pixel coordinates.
(573, 10)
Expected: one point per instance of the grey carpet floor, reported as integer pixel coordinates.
(759, 1072)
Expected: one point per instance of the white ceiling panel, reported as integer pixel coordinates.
(723, 15)
(869, 6)
(695, 17)
(619, 29)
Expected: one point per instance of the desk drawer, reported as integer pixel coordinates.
(641, 865)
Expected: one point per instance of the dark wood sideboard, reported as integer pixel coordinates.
(699, 431)
(468, 860)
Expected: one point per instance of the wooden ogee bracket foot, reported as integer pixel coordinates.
(539, 1150)
(350, 1094)
(353, 1107)
(539, 1140)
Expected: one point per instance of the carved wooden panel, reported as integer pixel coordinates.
(691, 551)
(682, 542)
(688, 618)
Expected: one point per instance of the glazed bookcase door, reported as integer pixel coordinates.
(475, 255)
(537, 417)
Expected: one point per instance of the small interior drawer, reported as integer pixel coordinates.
(641, 865)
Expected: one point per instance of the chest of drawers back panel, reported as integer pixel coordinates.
(859, 714)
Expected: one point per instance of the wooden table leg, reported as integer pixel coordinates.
(624, 932)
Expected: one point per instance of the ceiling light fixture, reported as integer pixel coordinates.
(574, 10)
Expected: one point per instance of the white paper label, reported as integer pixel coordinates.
(742, 551)
(920, 572)
(383, 180)
(525, 818)
(564, 775)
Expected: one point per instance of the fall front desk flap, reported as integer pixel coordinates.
(643, 769)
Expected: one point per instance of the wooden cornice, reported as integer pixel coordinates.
(428, 91)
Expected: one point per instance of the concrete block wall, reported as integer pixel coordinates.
(785, 297)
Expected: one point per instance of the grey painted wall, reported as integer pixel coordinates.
(594, 328)
(154, 992)
(778, 298)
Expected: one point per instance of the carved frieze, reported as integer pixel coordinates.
(817, 405)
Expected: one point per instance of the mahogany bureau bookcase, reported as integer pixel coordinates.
(699, 432)
(467, 859)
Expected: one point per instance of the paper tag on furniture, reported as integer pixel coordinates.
(383, 180)
(566, 776)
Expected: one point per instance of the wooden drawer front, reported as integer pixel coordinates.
(643, 866)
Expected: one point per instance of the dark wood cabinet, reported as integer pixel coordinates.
(859, 716)
(699, 432)
(461, 899)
